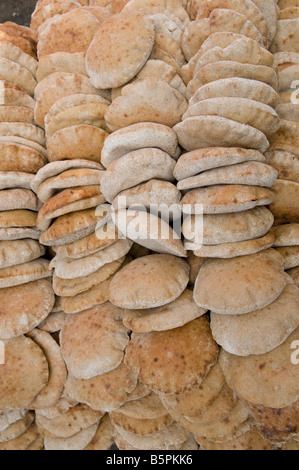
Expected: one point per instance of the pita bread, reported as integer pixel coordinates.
(285, 207)
(253, 173)
(190, 444)
(77, 178)
(286, 235)
(174, 7)
(15, 179)
(57, 86)
(63, 405)
(109, 336)
(90, 244)
(270, 12)
(173, 435)
(17, 429)
(231, 250)
(227, 133)
(11, 233)
(119, 34)
(57, 168)
(135, 168)
(22, 378)
(11, 97)
(290, 256)
(288, 111)
(38, 444)
(105, 392)
(159, 54)
(71, 143)
(24, 273)
(195, 264)
(138, 426)
(89, 114)
(18, 30)
(44, 12)
(287, 76)
(68, 424)
(146, 100)
(18, 75)
(17, 218)
(69, 288)
(61, 62)
(95, 296)
(23, 130)
(294, 273)
(17, 199)
(250, 440)
(19, 141)
(71, 32)
(138, 136)
(72, 269)
(265, 386)
(15, 54)
(237, 88)
(70, 227)
(22, 442)
(184, 373)
(278, 425)
(192, 163)
(77, 442)
(241, 110)
(230, 69)
(231, 228)
(104, 438)
(226, 198)
(167, 44)
(286, 39)
(174, 315)
(52, 392)
(242, 296)
(150, 231)
(242, 49)
(147, 407)
(245, 335)
(16, 114)
(26, 45)
(54, 322)
(19, 252)
(69, 201)
(285, 163)
(196, 402)
(150, 194)
(6, 419)
(286, 137)
(246, 8)
(157, 68)
(127, 290)
(138, 393)
(220, 21)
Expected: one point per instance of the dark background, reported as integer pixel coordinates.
(18, 11)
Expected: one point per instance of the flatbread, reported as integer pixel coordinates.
(241, 296)
(25, 307)
(146, 100)
(17, 75)
(174, 315)
(134, 168)
(265, 386)
(109, 335)
(223, 199)
(137, 136)
(127, 290)
(146, 354)
(105, 392)
(24, 273)
(130, 38)
(227, 133)
(22, 378)
(261, 331)
(70, 32)
(61, 62)
(285, 207)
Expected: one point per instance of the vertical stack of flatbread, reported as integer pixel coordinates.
(143, 71)
(284, 156)
(26, 294)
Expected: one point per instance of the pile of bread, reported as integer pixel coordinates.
(112, 110)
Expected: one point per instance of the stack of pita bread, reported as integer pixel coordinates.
(25, 288)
